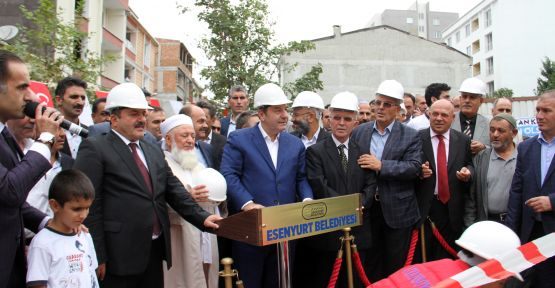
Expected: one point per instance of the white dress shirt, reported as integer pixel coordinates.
(345, 149)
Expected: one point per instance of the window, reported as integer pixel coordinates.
(146, 57)
(458, 37)
(489, 42)
(491, 88)
(146, 83)
(476, 69)
(468, 50)
(475, 24)
(467, 30)
(420, 28)
(435, 22)
(489, 66)
(476, 47)
(449, 41)
(437, 34)
(488, 18)
(410, 20)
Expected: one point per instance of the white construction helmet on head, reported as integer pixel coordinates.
(474, 86)
(270, 94)
(214, 182)
(391, 88)
(127, 95)
(308, 99)
(345, 100)
(487, 239)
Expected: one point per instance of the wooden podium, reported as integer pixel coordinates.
(279, 224)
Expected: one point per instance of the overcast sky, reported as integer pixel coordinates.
(294, 19)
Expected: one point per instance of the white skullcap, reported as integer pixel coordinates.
(174, 121)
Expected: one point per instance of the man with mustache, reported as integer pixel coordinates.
(468, 121)
(307, 109)
(154, 118)
(494, 169)
(195, 255)
(133, 183)
(238, 102)
(363, 112)
(71, 96)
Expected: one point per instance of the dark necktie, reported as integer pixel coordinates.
(12, 143)
(442, 178)
(146, 176)
(343, 157)
(468, 128)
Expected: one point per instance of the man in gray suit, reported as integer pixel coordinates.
(392, 150)
(468, 121)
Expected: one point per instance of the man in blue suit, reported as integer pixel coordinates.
(238, 102)
(532, 195)
(263, 166)
(392, 150)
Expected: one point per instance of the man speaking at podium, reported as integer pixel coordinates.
(263, 166)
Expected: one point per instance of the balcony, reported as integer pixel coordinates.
(110, 42)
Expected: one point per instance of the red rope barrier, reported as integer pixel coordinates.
(442, 241)
(412, 248)
(360, 269)
(336, 268)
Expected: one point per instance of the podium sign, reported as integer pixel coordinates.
(275, 224)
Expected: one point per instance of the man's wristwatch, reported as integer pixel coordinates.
(46, 138)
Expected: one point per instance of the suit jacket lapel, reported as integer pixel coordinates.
(394, 137)
(125, 153)
(537, 154)
(480, 127)
(205, 155)
(282, 149)
(149, 156)
(260, 144)
(453, 142)
(6, 150)
(333, 154)
(429, 151)
(352, 164)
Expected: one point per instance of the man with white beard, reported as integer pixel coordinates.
(195, 253)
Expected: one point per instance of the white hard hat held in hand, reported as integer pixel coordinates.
(214, 182)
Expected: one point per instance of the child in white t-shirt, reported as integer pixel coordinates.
(59, 257)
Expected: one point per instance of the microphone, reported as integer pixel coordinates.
(31, 107)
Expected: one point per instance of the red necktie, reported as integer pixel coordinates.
(146, 176)
(442, 178)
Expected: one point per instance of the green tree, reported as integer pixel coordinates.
(308, 82)
(503, 92)
(547, 79)
(240, 44)
(52, 48)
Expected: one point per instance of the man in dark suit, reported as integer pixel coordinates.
(392, 150)
(443, 192)
(216, 140)
(129, 218)
(238, 102)
(263, 166)
(307, 111)
(332, 170)
(70, 97)
(532, 195)
(18, 172)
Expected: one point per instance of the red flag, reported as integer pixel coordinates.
(154, 102)
(101, 94)
(42, 92)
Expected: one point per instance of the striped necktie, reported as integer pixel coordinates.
(343, 157)
(468, 128)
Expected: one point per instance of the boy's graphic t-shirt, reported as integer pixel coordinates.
(62, 260)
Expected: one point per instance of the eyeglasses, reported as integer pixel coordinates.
(385, 104)
(345, 118)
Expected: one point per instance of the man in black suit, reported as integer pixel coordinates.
(392, 150)
(443, 191)
(128, 219)
(215, 140)
(307, 110)
(18, 172)
(332, 171)
(70, 98)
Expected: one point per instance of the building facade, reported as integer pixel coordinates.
(507, 41)
(417, 20)
(360, 60)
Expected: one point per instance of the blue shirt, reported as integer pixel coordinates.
(548, 150)
(378, 140)
(200, 157)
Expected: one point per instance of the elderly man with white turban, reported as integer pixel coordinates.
(195, 257)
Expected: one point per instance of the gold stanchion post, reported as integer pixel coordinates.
(348, 239)
(423, 243)
(228, 273)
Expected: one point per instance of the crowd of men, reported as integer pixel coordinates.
(425, 165)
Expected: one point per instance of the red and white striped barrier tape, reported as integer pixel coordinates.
(508, 264)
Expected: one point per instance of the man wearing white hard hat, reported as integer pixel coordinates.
(392, 150)
(129, 219)
(307, 110)
(263, 166)
(468, 121)
(328, 164)
(195, 254)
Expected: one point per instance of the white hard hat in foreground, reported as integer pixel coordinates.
(345, 100)
(127, 95)
(270, 94)
(308, 99)
(474, 86)
(215, 184)
(391, 88)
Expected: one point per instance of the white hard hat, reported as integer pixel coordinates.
(270, 94)
(308, 99)
(487, 239)
(391, 88)
(214, 182)
(127, 95)
(474, 86)
(345, 100)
